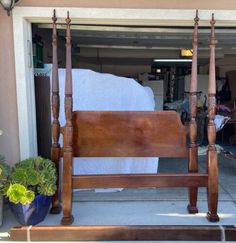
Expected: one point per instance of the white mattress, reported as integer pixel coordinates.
(97, 91)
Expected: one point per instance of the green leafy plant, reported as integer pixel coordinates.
(31, 177)
(5, 171)
(19, 194)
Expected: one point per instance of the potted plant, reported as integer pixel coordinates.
(4, 174)
(31, 184)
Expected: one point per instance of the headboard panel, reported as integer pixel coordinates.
(128, 134)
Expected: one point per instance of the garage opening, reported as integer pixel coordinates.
(158, 57)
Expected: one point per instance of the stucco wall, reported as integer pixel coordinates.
(9, 141)
(178, 4)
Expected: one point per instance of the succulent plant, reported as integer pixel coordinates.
(4, 175)
(19, 194)
(31, 177)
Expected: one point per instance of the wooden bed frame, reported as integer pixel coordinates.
(133, 134)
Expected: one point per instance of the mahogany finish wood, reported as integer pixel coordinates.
(67, 135)
(140, 180)
(126, 233)
(193, 148)
(128, 134)
(136, 134)
(212, 161)
(55, 150)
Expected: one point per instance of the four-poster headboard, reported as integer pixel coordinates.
(132, 134)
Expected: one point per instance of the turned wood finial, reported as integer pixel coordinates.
(195, 33)
(68, 87)
(212, 89)
(213, 20)
(212, 75)
(54, 18)
(55, 85)
(193, 89)
(196, 18)
(212, 40)
(68, 20)
(193, 84)
(68, 81)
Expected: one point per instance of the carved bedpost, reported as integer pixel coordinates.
(212, 163)
(68, 135)
(193, 148)
(55, 150)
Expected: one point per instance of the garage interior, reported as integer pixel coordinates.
(158, 57)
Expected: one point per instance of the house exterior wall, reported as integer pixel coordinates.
(9, 142)
(173, 4)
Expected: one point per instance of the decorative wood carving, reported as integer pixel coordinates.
(55, 150)
(212, 163)
(193, 148)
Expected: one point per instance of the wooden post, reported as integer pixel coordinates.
(68, 135)
(193, 148)
(212, 163)
(55, 149)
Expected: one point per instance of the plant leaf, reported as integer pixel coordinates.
(28, 198)
(15, 192)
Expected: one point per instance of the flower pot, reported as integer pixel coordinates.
(32, 213)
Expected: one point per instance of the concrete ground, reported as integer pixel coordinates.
(149, 206)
